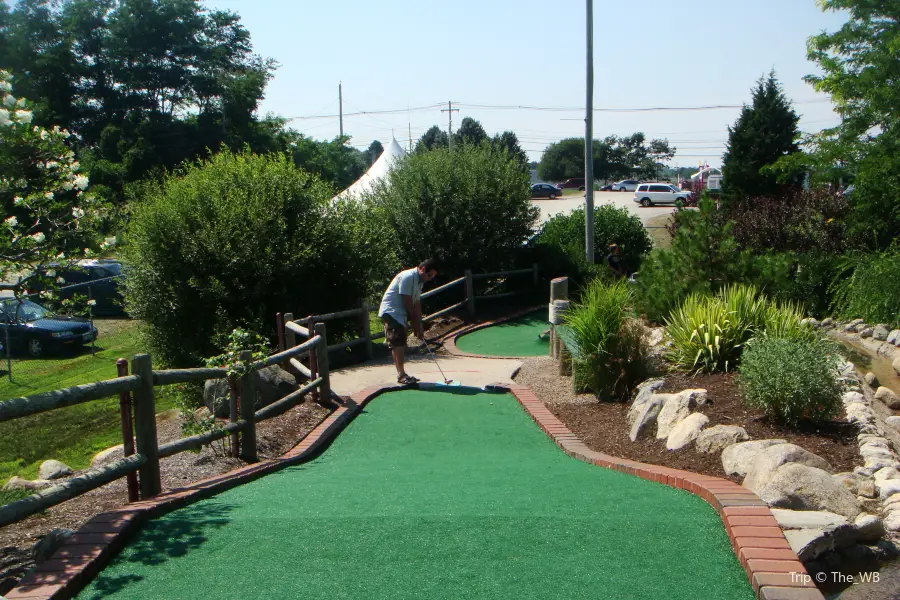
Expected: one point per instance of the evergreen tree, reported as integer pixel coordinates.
(433, 138)
(765, 131)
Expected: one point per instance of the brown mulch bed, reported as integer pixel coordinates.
(274, 438)
(604, 428)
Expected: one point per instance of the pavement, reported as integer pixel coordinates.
(567, 204)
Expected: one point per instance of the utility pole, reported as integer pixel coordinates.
(589, 141)
(449, 110)
(341, 108)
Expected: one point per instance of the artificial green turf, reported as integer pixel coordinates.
(518, 337)
(433, 494)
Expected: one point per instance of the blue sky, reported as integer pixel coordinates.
(647, 53)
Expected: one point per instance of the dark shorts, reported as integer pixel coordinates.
(394, 332)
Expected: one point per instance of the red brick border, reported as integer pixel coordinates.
(92, 547)
(449, 339)
(773, 569)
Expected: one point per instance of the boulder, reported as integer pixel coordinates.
(890, 399)
(850, 481)
(893, 422)
(853, 398)
(643, 394)
(655, 336)
(828, 322)
(867, 332)
(892, 521)
(646, 416)
(863, 327)
(801, 487)
(272, 384)
(808, 544)
(880, 332)
(851, 326)
(866, 489)
(738, 458)
(896, 365)
(888, 487)
(108, 455)
(716, 439)
(49, 544)
(687, 431)
(859, 413)
(887, 473)
(676, 408)
(869, 528)
(772, 458)
(53, 469)
(871, 379)
(894, 337)
(807, 519)
(17, 483)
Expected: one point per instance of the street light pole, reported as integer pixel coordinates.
(589, 140)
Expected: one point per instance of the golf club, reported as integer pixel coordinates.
(427, 347)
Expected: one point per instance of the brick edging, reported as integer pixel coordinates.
(96, 543)
(772, 567)
(449, 339)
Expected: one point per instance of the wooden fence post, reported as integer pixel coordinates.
(127, 430)
(366, 328)
(322, 364)
(313, 359)
(145, 426)
(248, 409)
(233, 416)
(559, 290)
(470, 292)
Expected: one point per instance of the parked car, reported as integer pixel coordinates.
(545, 190)
(626, 185)
(648, 194)
(34, 331)
(606, 188)
(96, 279)
(574, 183)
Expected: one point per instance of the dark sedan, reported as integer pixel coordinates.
(35, 332)
(545, 190)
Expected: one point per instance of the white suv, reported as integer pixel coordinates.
(648, 194)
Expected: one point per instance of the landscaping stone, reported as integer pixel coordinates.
(53, 469)
(108, 455)
(809, 544)
(871, 380)
(850, 481)
(892, 521)
(880, 332)
(738, 458)
(866, 332)
(646, 416)
(861, 327)
(811, 322)
(801, 487)
(272, 384)
(887, 473)
(716, 439)
(49, 544)
(869, 528)
(643, 394)
(676, 408)
(772, 458)
(866, 488)
(17, 483)
(687, 431)
(888, 487)
(859, 413)
(894, 337)
(827, 322)
(807, 519)
(851, 326)
(896, 365)
(893, 422)
(853, 397)
(655, 337)
(890, 399)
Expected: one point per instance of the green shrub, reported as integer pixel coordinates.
(870, 287)
(233, 240)
(804, 278)
(785, 321)
(611, 226)
(469, 206)
(791, 380)
(609, 344)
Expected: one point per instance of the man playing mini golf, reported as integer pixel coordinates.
(401, 307)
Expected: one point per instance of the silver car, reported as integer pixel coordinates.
(626, 185)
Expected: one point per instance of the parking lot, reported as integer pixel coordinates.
(620, 199)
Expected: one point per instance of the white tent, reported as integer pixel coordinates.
(376, 172)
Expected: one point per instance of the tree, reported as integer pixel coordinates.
(860, 70)
(470, 132)
(333, 161)
(374, 151)
(433, 138)
(510, 143)
(764, 132)
(614, 158)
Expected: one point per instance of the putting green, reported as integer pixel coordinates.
(518, 337)
(435, 494)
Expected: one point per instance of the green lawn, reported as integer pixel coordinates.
(74, 434)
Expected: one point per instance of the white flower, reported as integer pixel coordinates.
(4, 117)
(52, 164)
(9, 101)
(49, 195)
(5, 86)
(23, 116)
(92, 302)
(11, 222)
(21, 102)
(18, 200)
(38, 237)
(77, 212)
(105, 244)
(81, 182)
(51, 272)
(67, 185)
(60, 280)
(44, 134)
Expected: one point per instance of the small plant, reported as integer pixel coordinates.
(237, 342)
(791, 380)
(609, 345)
(785, 321)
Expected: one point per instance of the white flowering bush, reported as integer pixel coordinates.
(47, 213)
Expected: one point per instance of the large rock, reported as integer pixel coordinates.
(851, 326)
(896, 365)
(772, 458)
(871, 379)
(676, 408)
(807, 519)
(272, 384)
(809, 544)
(716, 439)
(887, 396)
(655, 336)
(801, 487)
(869, 528)
(108, 455)
(53, 469)
(644, 393)
(866, 332)
(893, 422)
(880, 332)
(888, 487)
(828, 322)
(894, 337)
(737, 459)
(687, 431)
(892, 521)
(17, 483)
(645, 416)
